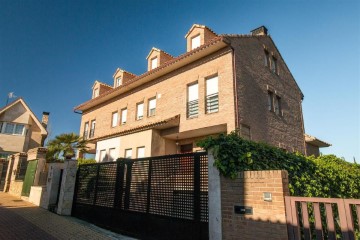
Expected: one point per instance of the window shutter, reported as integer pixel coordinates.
(123, 116)
(140, 110)
(212, 86)
(193, 92)
(154, 63)
(140, 152)
(152, 103)
(195, 42)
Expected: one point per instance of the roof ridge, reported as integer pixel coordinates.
(167, 63)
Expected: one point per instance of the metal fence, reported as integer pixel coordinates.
(173, 187)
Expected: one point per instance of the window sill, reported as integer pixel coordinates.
(193, 117)
(209, 113)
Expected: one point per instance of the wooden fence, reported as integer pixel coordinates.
(322, 218)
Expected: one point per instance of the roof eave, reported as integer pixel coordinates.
(168, 67)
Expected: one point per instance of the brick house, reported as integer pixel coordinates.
(20, 129)
(222, 83)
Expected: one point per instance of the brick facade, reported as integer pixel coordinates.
(244, 82)
(268, 219)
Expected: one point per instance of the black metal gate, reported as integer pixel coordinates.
(162, 197)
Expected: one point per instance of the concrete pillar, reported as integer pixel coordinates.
(214, 193)
(67, 188)
(52, 185)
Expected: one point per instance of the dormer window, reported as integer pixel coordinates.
(195, 42)
(154, 63)
(96, 92)
(118, 81)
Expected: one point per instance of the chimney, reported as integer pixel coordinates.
(45, 119)
(260, 31)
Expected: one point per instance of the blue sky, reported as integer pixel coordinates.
(51, 52)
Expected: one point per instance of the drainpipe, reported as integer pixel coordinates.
(236, 103)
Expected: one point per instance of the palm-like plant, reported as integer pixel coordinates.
(65, 144)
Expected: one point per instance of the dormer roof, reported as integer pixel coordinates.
(101, 83)
(157, 50)
(198, 26)
(122, 71)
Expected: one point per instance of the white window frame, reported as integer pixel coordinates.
(112, 154)
(139, 110)
(195, 42)
(140, 154)
(96, 92)
(13, 132)
(154, 63)
(114, 119)
(123, 116)
(128, 153)
(212, 88)
(152, 107)
(102, 156)
(118, 81)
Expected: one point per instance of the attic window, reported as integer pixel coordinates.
(118, 81)
(154, 63)
(96, 92)
(195, 42)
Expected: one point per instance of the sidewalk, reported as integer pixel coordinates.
(22, 220)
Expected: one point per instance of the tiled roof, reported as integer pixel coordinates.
(157, 49)
(200, 26)
(174, 120)
(166, 64)
(119, 69)
(315, 141)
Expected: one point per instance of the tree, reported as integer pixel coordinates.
(65, 145)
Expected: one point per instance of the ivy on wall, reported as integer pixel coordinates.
(325, 176)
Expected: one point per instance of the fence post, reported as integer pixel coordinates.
(128, 184)
(149, 187)
(76, 189)
(119, 184)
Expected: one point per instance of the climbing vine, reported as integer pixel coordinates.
(325, 176)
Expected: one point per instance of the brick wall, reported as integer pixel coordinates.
(254, 80)
(268, 220)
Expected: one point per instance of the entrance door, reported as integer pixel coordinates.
(186, 148)
(29, 178)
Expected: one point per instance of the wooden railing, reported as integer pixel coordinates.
(322, 218)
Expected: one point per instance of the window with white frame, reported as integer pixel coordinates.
(212, 95)
(140, 111)
(154, 63)
(12, 128)
(86, 130)
(128, 153)
(112, 154)
(193, 100)
(140, 152)
(92, 129)
(114, 119)
(96, 92)
(118, 81)
(195, 42)
(102, 156)
(152, 107)
(123, 116)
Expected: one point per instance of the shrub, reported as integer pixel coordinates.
(325, 176)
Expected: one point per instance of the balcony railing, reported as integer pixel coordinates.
(192, 108)
(212, 103)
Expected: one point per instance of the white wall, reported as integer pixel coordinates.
(106, 145)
